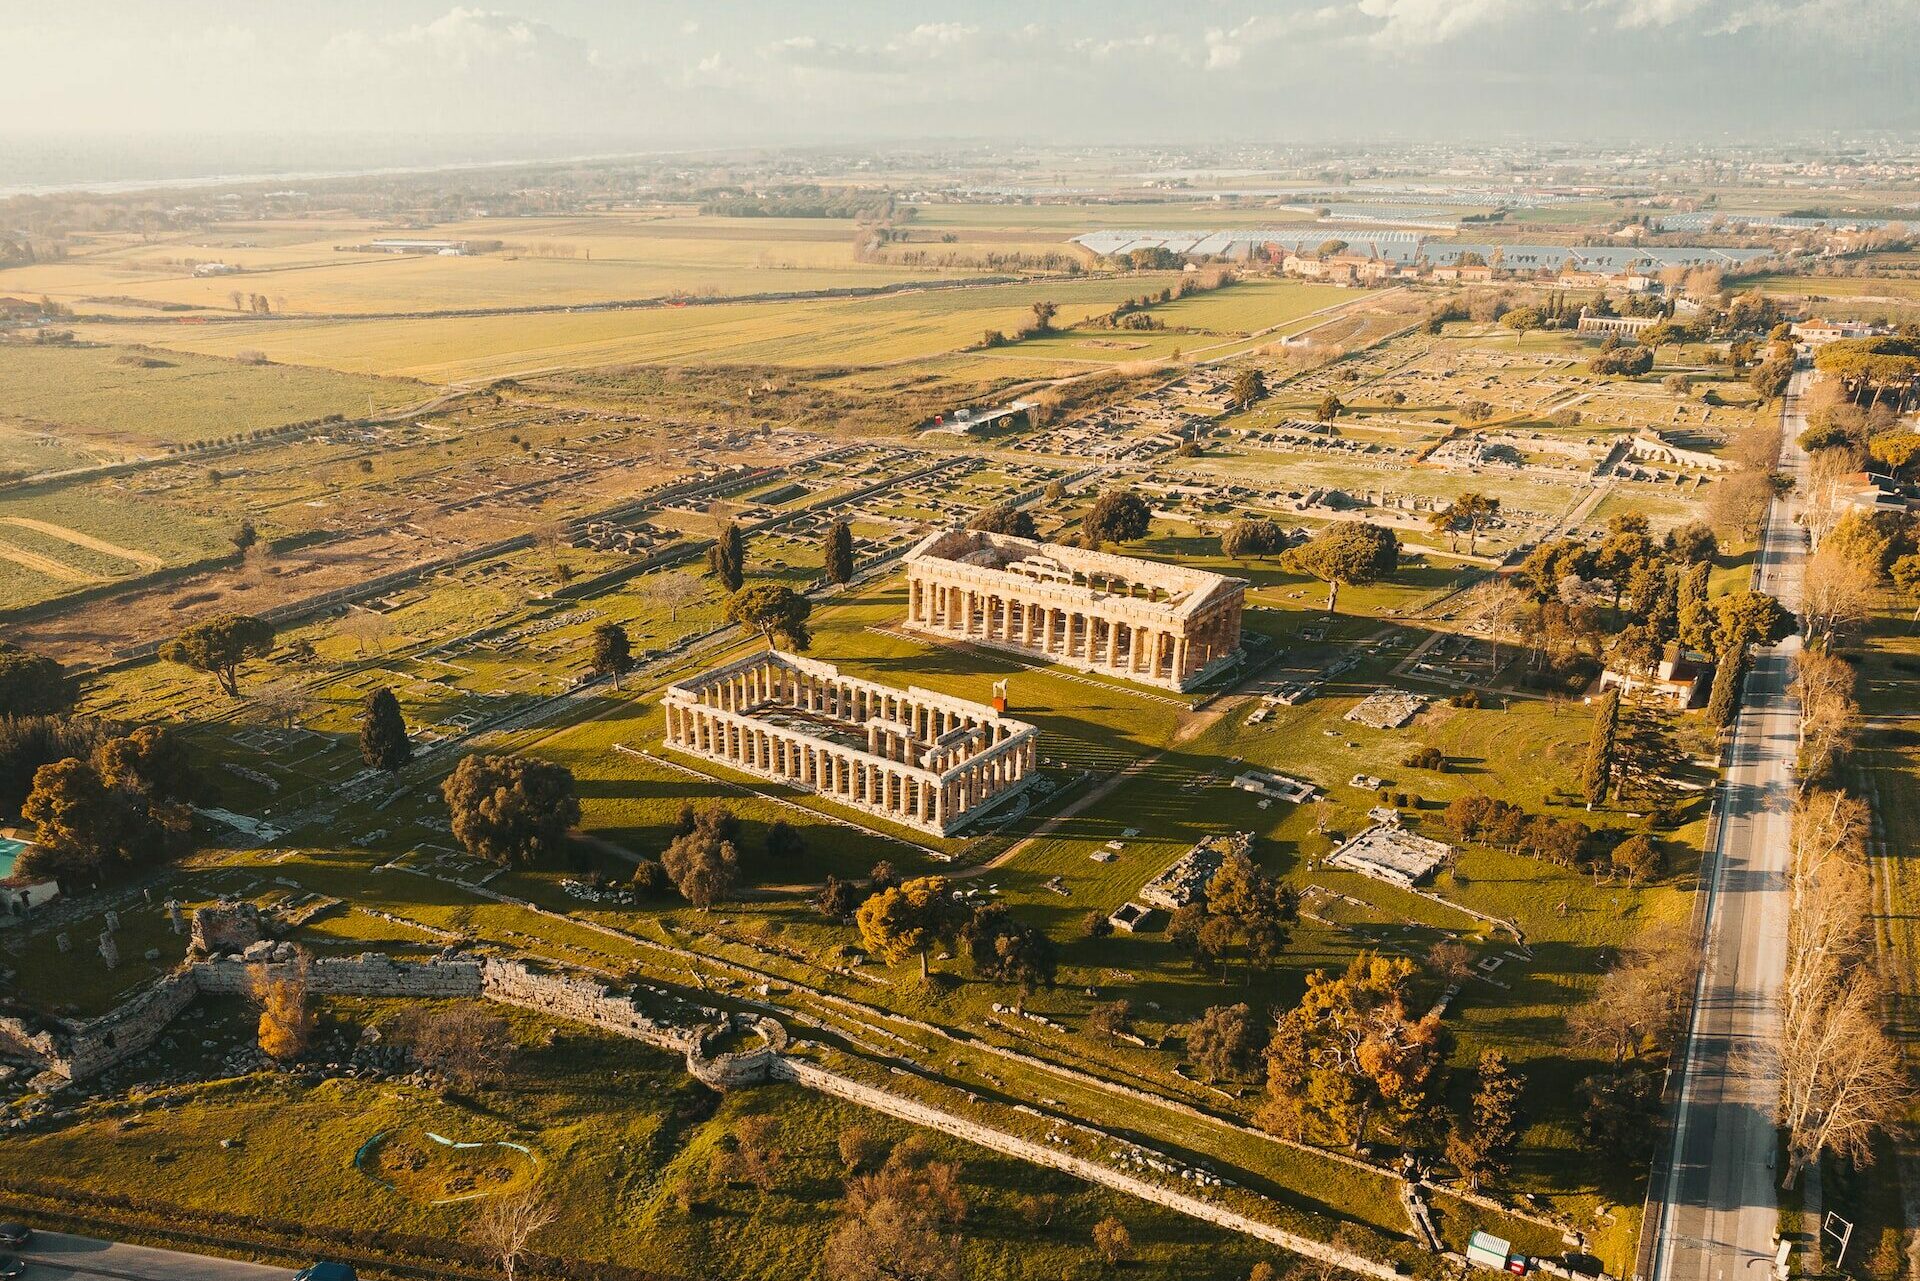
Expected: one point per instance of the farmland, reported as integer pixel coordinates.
(564, 468)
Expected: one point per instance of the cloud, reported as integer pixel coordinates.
(459, 41)
(1419, 23)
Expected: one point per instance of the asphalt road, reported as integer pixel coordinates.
(1718, 1213)
(52, 1256)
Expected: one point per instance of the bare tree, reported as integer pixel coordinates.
(1639, 1000)
(1829, 713)
(1841, 1082)
(507, 1223)
(367, 629)
(1839, 592)
(465, 1044)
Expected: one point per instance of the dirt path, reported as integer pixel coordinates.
(146, 560)
(47, 565)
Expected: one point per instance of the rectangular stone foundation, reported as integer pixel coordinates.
(913, 757)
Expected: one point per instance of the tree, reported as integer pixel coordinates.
(727, 558)
(1112, 1240)
(839, 551)
(1113, 1019)
(1905, 573)
(774, 610)
(219, 645)
(1841, 1081)
(1638, 858)
(1007, 519)
(507, 1224)
(1837, 594)
(287, 1021)
(908, 919)
(1350, 552)
(1329, 408)
(612, 652)
(1483, 1149)
(859, 1148)
(1248, 538)
(244, 536)
(1829, 712)
(510, 809)
(1225, 1043)
(1249, 384)
(1117, 516)
(123, 807)
(650, 879)
(1729, 677)
(1598, 772)
(1750, 618)
(383, 732)
(80, 826)
(1476, 512)
(466, 1045)
(1010, 951)
(896, 1223)
(837, 899)
(32, 684)
(1349, 1051)
(704, 861)
(1095, 925)
(1639, 1001)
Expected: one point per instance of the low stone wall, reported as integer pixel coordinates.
(580, 1000)
(369, 974)
(818, 1078)
(98, 1044)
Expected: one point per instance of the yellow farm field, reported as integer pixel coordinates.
(565, 261)
(801, 334)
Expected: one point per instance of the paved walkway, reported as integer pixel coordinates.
(55, 1254)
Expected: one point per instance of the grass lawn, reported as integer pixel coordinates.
(112, 398)
(615, 1129)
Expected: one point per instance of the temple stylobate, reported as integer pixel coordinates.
(910, 756)
(1142, 620)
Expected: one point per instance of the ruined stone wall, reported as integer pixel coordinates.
(98, 1044)
(818, 1078)
(369, 974)
(580, 1000)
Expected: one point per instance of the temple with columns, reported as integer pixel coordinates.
(1139, 620)
(925, 760)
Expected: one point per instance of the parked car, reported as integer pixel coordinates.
(15, 1235)
(11, 1266)
(327, 1272)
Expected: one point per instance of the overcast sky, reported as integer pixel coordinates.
(664, 73)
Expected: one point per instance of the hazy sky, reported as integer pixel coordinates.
(669, 73)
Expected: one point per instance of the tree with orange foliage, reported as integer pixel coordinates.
(286, 1016)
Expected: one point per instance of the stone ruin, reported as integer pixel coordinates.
(225, 927)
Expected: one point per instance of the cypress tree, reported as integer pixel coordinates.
(1606, 724)
(1724, 704)
(839, 559)
(383, 732)
(728, 556)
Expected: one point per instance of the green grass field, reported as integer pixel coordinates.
(113, 399)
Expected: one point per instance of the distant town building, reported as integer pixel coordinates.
(1816, 332)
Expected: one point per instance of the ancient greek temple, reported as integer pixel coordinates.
(1157, 624)
(910, 756)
